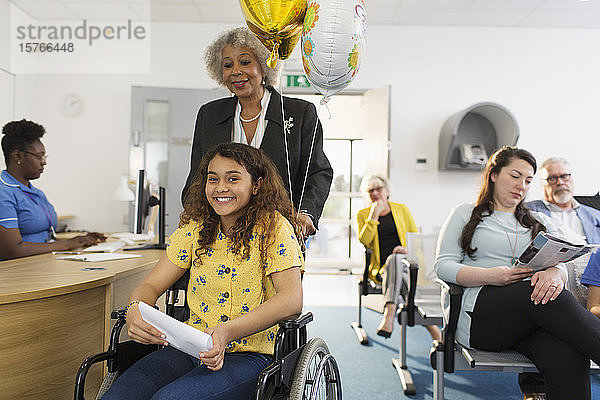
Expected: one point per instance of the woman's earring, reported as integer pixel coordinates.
(18, 162)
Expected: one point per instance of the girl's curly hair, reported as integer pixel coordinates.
(262, 207)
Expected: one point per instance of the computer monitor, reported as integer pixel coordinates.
(143, 202)
(591, 201)
(138, 208)
(141, 205)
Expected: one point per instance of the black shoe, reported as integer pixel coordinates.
(385, 334)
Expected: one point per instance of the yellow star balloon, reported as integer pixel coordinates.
(276, 23)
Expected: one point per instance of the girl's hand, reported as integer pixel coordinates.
(400, 250)
(141, 331)
(547, 285)
(213, 359)
(502, 276)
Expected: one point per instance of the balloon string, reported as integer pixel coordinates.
(312, 144)
(326, 107)
(287, 153)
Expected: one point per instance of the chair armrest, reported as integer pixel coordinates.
(291, 334)
(176, 304)
(364, 284)
(452, 288)
(85, 367)
(119, 313)
(411, 283)
(449, 331)
(109, 356)
(296, 321)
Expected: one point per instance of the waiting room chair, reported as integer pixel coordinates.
(449, 355)
(366, 286)
(421, 299)
(302, 369)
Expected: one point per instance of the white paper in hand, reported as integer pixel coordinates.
(179, 335)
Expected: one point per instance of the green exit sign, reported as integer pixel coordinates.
(297, 81)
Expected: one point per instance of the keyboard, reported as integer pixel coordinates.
(105, 247)
(128, 236)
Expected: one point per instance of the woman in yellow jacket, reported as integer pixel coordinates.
(382, 228)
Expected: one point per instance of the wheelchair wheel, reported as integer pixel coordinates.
(109, 379)
(316, 373)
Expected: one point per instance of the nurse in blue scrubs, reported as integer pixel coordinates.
(27, 219)
(591, 278)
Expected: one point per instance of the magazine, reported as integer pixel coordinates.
(547, 250)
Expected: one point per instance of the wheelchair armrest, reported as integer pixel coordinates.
(296, 321)
(291, 335)
(290, 338)
(119, 313)
(109, 356)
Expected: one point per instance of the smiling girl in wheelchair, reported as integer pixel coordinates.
(238, 237)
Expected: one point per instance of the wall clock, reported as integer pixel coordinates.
(71, 105)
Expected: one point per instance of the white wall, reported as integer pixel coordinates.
(6, 77)
(89, 153)
(547, 78)
(4, 34)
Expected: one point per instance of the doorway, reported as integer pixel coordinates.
(162, 126)
(356, 141)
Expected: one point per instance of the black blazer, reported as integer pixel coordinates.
(214, 126)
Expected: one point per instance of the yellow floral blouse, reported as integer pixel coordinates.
(223, 287)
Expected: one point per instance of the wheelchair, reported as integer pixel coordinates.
(301, 370)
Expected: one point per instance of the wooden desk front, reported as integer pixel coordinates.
(53, 315)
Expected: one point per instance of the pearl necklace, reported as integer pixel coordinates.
(251, 119)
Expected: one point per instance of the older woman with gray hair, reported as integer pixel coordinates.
(257, 115)
(382, 228)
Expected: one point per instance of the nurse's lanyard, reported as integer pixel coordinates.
(47, 214)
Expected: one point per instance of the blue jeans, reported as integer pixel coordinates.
(169, 374)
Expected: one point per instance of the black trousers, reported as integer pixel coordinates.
(559, 337)
(532, 382)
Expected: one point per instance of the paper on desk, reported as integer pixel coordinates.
(96, 257)
(179, 335)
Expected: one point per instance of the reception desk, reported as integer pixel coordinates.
(53, 314)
